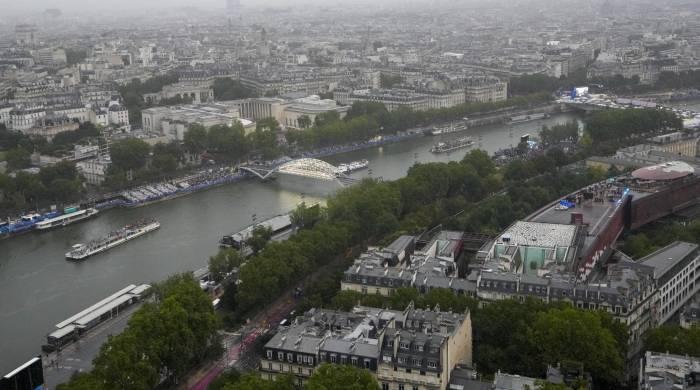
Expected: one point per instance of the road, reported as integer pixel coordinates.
(78, 356)
(236, 346)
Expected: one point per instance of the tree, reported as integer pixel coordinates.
(228, 89)
(544, 385)
(259, 238)
(195, 139)
(673, 339)
(480, 161)
(82, 381)
(253, 381)
(228, 299)
(305, 217)
(166, 157)
(264, 138)
(560, 132)
(341, 377)
(575, 335)
(325, 118)
(17, 158)
(223, 263)
(227, 377)
(346, 300)
(638, 245)
(163, 340)
(228, 141)
(164, 163)
(129, 153)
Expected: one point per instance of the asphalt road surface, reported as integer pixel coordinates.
(78, 356)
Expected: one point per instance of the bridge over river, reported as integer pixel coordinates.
(304, 167)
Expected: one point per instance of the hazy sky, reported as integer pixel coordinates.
(73, 4)
(67, 5)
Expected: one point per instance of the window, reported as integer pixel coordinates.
(343, 359)
(402, 360)
(401, 386)
(404, 345)
(280, 356)
(300, 358)
(290, 358)
(390, 343)
(420, 348)
(385, 386)
(367, 363)
(415, 387)
(333, 358)
(416, 362)
(311, 360)
(353, 361)
(269, 354)
(432, 364)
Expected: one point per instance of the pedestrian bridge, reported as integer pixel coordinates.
(305, 167)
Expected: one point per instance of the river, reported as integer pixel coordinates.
(39, 288)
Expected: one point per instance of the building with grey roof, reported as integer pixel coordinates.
(503, 381)
(173, 121)
(676, 275)
(413, 346)
(641, 294)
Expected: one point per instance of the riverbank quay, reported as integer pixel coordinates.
(59, 366)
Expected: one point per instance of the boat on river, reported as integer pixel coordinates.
(30, 222)
(70, 215)
(528, 118)
(352, 166)
(115, 238)
(448, 129)
(448, 146)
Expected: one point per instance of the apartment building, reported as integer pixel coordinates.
(118, 115)
(642, 293)
(485, 89)
(173, 121)
(676, 276)
(409, 349)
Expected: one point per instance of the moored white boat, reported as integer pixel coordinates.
(115, 238)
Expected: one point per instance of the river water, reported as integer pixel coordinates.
(39, 288)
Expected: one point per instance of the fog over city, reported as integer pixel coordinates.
(350, 194)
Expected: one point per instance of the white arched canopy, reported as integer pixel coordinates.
(309, 167)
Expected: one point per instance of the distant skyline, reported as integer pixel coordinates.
(74, 5)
